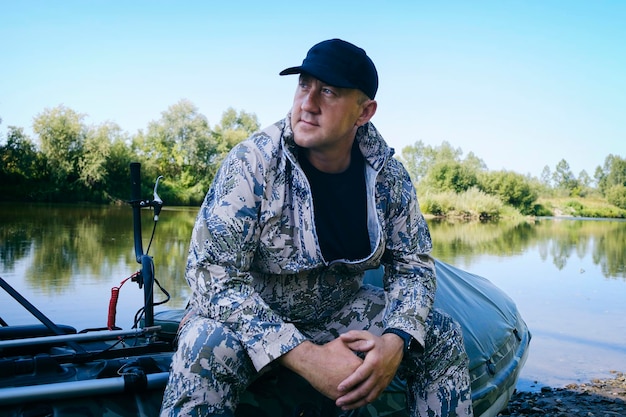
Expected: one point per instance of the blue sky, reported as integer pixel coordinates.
(522, 84)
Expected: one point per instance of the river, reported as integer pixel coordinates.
(567, 276)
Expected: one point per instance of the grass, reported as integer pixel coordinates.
(474, 204)
(581, 207)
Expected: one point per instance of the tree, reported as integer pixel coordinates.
(413, 159)
(233, 128)
(418, 159)
(117, 170)
(95, 163)
(564, 179)
(546, 177)
(97, 150)
(22, 168)
(512, 188)
(612, 180)
(584, 179)
(18, 158)
(172, 144)
(612, 173)
(451, 176)
(616, 195)
(62, 137)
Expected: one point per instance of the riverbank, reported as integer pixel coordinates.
(598, 398)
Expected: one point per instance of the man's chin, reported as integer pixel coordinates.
(303, 139)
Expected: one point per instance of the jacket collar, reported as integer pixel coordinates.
(371, 143)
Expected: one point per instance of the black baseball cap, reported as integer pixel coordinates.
(340, 64)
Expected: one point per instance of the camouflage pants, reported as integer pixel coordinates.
(211, 370)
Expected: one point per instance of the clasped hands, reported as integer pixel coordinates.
(338, 373)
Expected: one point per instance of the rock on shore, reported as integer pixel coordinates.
(598, 398)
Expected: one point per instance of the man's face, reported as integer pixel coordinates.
(325, 118)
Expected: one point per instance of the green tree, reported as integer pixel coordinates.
(419, 159)
(171, 144)
(233, 128)
(584, 179)
(512, 188)
(62, 137)
(611, 180)
(182, 147)
(22, 168)
(117, 169)
(564, 179)
(106, 146)
(451, 176)
(612, 173)
(96, 152)
(616, 195)
(546, 177)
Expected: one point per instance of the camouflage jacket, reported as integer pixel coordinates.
(254, 261)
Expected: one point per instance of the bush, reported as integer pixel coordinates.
(512, 188)
(472, 204)
(616, 195)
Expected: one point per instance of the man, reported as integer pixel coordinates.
(294, 217)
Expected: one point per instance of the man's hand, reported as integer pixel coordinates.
(382, 358)
(323, 366)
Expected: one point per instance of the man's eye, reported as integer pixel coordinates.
(328, 91)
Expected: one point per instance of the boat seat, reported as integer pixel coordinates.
(169, 321)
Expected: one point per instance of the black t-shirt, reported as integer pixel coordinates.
(340, 207)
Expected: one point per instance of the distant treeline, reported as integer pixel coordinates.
(447, 182)
(72, 162)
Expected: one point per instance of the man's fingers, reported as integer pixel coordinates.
(357, 397)
(354, 335)
(358, 340)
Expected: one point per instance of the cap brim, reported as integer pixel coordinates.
(291, 70)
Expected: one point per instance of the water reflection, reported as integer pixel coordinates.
(558, 240)
(64, 242)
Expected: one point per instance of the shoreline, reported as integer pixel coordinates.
(597, 398)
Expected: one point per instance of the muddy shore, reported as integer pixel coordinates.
(598, 398)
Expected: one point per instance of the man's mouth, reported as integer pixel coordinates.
(308, 123)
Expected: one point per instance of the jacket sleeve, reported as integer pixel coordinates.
(409, 281)
(223, 243)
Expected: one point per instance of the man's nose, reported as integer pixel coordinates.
(310, 102)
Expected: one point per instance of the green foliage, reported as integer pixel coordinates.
(443, 169)
(541, 210)
(451, 176)
(419, 159)
(512, 188)
(173, 143)
(616, 195)
(612, 173)
(117, 170)
(582, 207)
(75, 162)
(91, 163)
(232, 129)
(22, 168)
(563, 177)
(470, 204)
(62, 138)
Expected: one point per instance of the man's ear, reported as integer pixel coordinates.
(369, 109)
